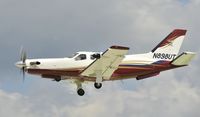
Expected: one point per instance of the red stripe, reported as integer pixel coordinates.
(171, 37)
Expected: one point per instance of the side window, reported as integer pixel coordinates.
(95, 56)
(92, 57)
(80, 57)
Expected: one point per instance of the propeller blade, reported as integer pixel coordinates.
(23, 70)
(21, 52)
(23, 57)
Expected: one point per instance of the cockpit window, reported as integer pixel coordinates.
(73, 55)
(81, 57)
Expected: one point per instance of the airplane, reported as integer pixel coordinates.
(111, 65)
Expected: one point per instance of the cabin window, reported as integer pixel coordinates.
(92, 57)
(80, 57)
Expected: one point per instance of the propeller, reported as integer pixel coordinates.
(23, 62)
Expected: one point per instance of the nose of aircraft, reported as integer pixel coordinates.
(20, 64)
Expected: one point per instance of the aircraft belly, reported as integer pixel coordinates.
(123, 72)
(134, 71)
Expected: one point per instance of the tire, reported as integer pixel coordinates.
(80, 92)
(97, 85)
(58, 79)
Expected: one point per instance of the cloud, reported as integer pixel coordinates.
(60, 28)
(154, 97)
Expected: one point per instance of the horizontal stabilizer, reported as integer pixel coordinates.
(183, 59)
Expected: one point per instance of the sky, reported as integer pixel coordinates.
(59, 28)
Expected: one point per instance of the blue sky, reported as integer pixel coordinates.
(185, 2)
(60, 28)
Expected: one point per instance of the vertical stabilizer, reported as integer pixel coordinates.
(170, 46)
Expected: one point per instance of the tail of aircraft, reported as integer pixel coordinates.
(170, 46)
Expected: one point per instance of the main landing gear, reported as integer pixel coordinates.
(80, 90)
(97, 85)
(57, 79)
(99, 79)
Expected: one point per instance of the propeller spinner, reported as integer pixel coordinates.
(22, 63)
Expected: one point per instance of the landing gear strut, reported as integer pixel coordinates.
(80, 90)
(99, 79)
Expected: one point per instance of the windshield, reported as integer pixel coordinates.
(80, 57)
(73, 55)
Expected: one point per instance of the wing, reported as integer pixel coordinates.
(107, 63)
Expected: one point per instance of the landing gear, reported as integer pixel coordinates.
(58, 79)
(99, 79)
(80, 92)
(97, 85)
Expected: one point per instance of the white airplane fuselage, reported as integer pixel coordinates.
(69, 68)
(111, 65)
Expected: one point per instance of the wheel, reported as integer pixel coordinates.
(80, 92)
(97, 85)
(58, 79)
